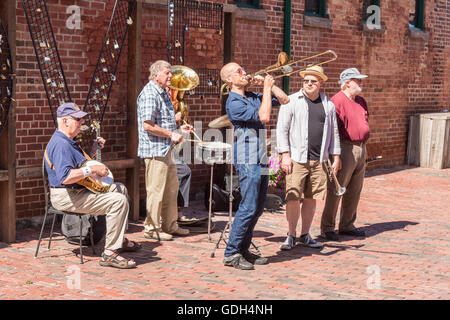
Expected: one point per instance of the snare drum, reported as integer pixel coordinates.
(213, 152)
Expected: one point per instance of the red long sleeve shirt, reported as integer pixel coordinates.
(352, 117)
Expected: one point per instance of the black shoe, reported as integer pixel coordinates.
(238, 261)
(330, 235)
(254, 258)
(355, 233)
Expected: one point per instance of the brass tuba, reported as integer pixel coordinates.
(183, 79)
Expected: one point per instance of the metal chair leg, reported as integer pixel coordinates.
(91, 234)
(51, 231)
(81, 238)
(40, 235)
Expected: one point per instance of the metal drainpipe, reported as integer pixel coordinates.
(287, 38)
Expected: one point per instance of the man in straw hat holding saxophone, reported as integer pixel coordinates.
(307, 135)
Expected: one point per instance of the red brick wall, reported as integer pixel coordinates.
(406, 75)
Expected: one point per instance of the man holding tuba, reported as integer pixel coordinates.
(157, 136)
(64, 160)
(307, 135)
(248, 112)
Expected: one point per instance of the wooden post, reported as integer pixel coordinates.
(8, 139)
(133, 89)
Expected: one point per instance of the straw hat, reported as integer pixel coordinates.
(314, 70)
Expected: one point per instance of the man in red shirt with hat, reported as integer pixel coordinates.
(353, 125)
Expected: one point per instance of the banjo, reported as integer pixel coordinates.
(96, 183)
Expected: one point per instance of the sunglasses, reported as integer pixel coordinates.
(240, 71)
(310, 80)
(76, 119)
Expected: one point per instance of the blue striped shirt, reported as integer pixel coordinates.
(154, 104)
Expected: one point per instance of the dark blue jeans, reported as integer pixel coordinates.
(253, 190)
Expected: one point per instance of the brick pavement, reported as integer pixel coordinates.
(404, 211)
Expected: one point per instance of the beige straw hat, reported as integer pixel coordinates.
(314, 70)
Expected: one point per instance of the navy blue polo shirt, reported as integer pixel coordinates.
(249, 132)
(65, 155)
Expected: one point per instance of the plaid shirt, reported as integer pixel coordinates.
(154, 104)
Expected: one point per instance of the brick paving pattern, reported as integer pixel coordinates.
(404, 211)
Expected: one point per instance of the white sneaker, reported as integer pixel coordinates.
(307, 241)
(289, 243)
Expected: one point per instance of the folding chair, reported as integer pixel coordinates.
(49, 209)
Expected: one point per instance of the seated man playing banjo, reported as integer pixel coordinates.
(64, 165)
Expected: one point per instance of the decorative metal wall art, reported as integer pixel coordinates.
(47, 54)
(186, 14)
(52, 73)
(106, 68)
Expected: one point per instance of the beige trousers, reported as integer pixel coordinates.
(161, 183)
(114, 204)
(351, 176)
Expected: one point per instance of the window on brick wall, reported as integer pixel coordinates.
(416, 13)
(317, 8)
(367, 4)
(247, 3)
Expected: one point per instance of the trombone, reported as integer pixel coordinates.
(339, 189)
(285, 67)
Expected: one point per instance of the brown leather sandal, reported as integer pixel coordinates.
(112, 261)
(126, 248)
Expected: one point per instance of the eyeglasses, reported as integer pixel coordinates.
(305, 81)
(76, 119)
(240, 71)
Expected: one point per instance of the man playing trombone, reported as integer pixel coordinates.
(306, 135)
(248, 112)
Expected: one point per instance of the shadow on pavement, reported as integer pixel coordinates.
(376, 228)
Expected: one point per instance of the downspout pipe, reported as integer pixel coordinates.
(287, 38)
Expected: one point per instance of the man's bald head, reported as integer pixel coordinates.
(227, 70)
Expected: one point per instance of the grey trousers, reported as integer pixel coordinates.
(184, 180)
(351, 176)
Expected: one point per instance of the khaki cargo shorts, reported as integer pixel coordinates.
(308, 179)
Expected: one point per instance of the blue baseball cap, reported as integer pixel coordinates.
(351, 73)
(70, 109)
